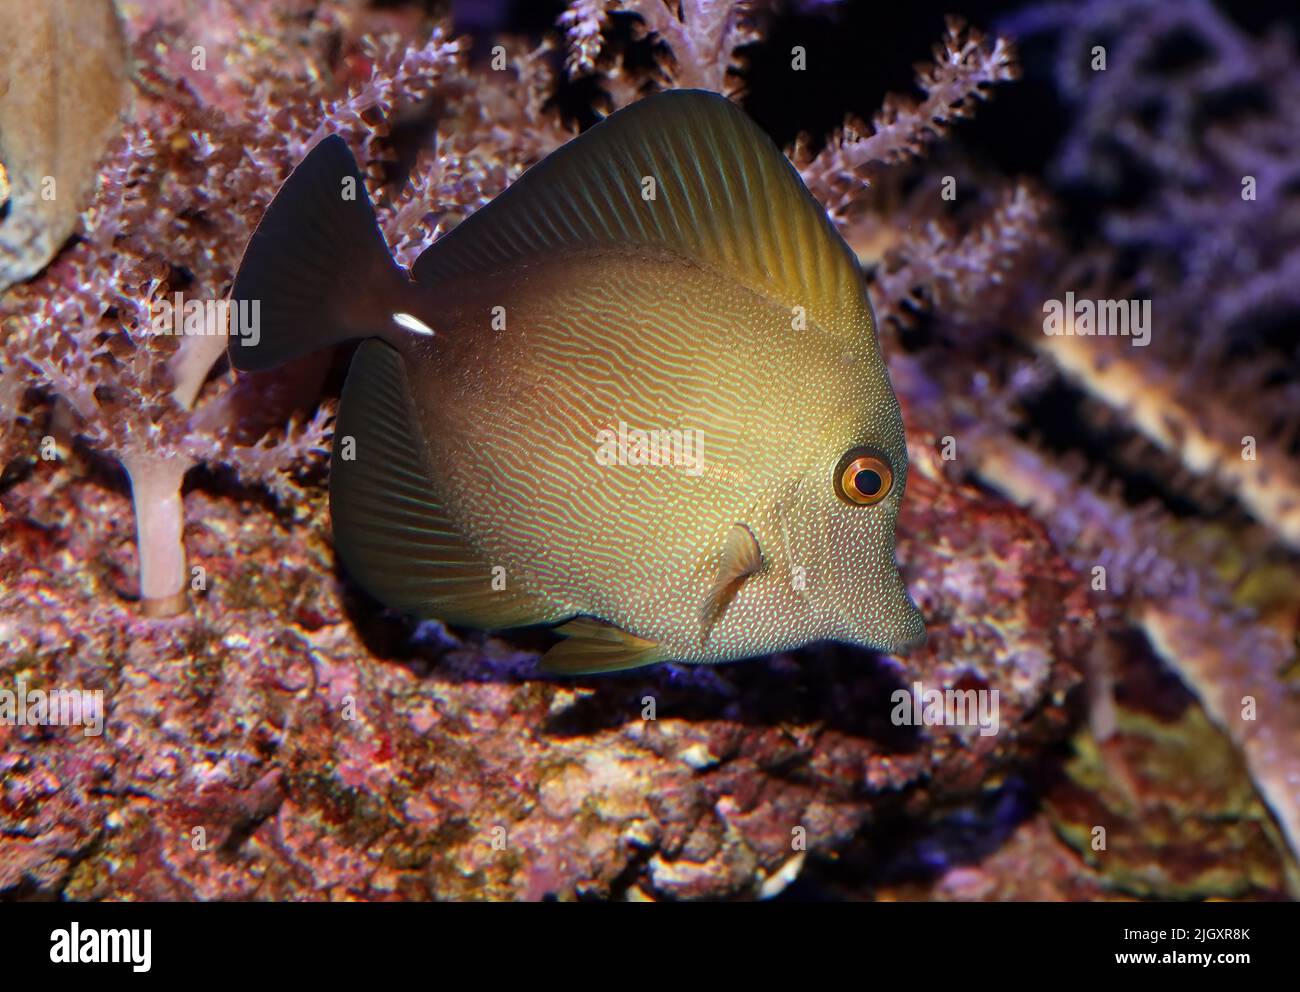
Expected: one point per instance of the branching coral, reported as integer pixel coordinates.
(1215, 392)
(176, 201)
(965, 65)
(700, 38)
(1201, 116)
(1212, 437)
(969, 275)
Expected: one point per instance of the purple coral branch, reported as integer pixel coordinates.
(965, 65)
(966, 275)
(701, 37)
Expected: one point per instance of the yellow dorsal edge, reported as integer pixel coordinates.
(724, 197)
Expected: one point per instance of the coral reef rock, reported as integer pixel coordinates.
(288, 741)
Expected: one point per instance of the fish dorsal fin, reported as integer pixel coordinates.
(725, 197)
(390, 529)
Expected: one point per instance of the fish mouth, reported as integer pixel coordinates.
(872, 608)
(898, 628)
(872, 611)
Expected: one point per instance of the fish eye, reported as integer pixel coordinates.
(863, 477)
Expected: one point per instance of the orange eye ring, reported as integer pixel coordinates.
(863, 478)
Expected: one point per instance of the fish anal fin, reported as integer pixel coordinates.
(390, 528)
(592, 646)
(741, 557)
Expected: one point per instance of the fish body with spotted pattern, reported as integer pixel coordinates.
(664, 274)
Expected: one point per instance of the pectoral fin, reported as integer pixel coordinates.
(592, 646)
(741, 558)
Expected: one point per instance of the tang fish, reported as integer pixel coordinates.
(639, 393)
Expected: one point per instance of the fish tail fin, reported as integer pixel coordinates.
(317, 270)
